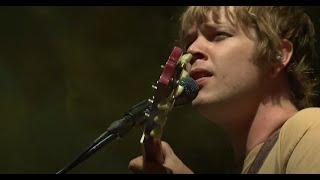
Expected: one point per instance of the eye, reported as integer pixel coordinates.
(220, 35)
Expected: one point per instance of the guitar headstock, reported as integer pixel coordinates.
(166, 90)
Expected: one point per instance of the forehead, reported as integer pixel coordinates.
(222, 15)
(195, 16)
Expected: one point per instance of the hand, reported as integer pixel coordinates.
(172, 164)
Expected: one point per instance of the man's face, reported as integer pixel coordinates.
(223, 67)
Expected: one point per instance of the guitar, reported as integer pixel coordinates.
(166, 90)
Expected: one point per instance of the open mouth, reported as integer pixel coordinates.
(200, 75)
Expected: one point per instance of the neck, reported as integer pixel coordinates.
(269, 114)
(268, 119)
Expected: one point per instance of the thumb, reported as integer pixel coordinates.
(166, 149)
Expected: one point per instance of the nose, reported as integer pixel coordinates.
(197, 50)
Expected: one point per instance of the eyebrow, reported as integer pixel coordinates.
(211, 26)
(190, 35)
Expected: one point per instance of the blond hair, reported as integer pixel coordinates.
(272, 24)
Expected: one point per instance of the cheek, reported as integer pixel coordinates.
(236, 69)
(244, 82)
(241, 79)
(236, 56)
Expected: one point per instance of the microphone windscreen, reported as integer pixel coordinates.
(190, 91)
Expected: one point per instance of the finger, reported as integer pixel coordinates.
(136, 165)
(166, 149)
(153, 167)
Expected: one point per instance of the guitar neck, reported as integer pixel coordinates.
(152, 150)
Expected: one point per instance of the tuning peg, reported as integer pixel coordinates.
(177, 82)
(142, 138)
(154, 87)
(150, 100)
(156, 132)
(147, 114)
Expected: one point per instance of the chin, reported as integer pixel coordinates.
(196, 102)
(205, 105)
(200, 102)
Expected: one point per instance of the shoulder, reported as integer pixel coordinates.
(298, 140)
(297, 145)
(311, 113)
(302, 121)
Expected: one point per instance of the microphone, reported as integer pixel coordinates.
(190, 91)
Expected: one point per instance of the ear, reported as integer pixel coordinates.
(283, 58)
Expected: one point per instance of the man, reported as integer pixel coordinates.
(253, 66)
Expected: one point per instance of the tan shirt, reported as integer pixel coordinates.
(297, 149)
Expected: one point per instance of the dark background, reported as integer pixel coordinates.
(67, 72)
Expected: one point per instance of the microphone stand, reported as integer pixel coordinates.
(87, 153)
(117, 129)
